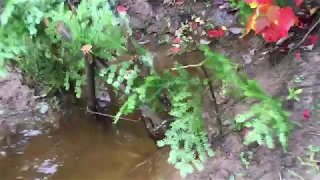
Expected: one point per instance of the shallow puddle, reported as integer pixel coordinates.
(83, 149)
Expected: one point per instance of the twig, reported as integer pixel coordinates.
(280, 177)
(293, 122)
(138, 165)
(214, 99)
(314, 134)
(108, 115)
(306, 35)
(295, 174)
(16, 113)
(188, 66)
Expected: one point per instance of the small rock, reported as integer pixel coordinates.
(236, 30)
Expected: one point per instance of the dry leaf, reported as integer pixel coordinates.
(179, 2)
(314, 10)
(203, 41)
(86, 49)
(247, 59)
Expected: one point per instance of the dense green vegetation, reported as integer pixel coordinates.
(45, 38)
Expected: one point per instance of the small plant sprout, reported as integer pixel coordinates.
(246, 161)
(293, 94)
(298, 79)
(208, 4)
(311, 160)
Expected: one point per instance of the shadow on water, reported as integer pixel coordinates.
(83, 149)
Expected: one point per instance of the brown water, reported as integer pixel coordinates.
(84, 149)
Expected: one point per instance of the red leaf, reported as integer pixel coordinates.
(138, 36)
(298, 2)
(298, 55)
(179, 3)
(176, 40)
(273, 14)
(259, 1)
(122, 9)
(194, 25)
(245, 132)
(215, 33)
(286, 21)
(261, 24)
(271, 34)
(175, 49)
(306, 114)
(311, 40)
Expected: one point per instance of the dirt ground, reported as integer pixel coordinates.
(20, 110)
(269, 164)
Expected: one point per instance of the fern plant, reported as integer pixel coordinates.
(267, 118)
(45, 37)
(186, 137)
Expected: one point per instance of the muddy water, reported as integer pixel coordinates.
(83, 149)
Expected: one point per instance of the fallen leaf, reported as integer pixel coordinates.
(203, 41)
(137, 36)
(271, 34)
(175, 49)
(176, 40)
(298, 2)
(273, 14)
(245, 132)
(262, 23)
(122, 9)
(235, 30)
(306, 114)
(310, 40)
(180, 2)
(287, 20)
(247, 59)
(215, 33)
(314, 10)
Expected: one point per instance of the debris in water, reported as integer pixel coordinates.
(47, 167)
(28, 133)
(3, 153)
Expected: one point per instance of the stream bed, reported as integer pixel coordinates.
(84, 149)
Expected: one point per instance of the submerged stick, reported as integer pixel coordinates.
(90, 80)
(216, 107)
(111, 116)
